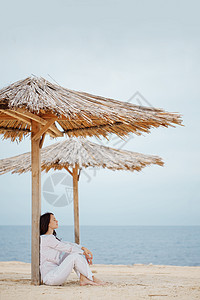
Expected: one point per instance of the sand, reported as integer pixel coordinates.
(125, 282)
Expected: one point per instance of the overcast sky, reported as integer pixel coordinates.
(114, 49)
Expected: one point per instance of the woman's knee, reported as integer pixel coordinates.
(77, 258)
(74, 255)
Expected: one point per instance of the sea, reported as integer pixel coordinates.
(127, 245)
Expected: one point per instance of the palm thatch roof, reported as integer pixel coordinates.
(78, 113)
(84, 153)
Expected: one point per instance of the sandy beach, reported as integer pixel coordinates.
(124, 282)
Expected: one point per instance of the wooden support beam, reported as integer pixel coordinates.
(16, 116)
(4, 117)
(41, 121)
(71, 173)
(76, 206)
(21, 115)
(22, 118)
(43, 129)
(36, 205)
(26, 117)
(42, 140)
(31, 116)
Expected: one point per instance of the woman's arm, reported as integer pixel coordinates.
(88, 255)
(70, 248)
(64, 246)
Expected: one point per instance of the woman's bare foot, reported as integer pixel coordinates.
(100, 282)
(85, 281)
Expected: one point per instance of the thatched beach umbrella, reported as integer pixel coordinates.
(74, 155)
(32, 106)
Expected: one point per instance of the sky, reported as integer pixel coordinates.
(117, 49)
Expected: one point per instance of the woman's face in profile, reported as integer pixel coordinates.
(53, 224)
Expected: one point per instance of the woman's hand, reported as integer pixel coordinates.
(88, 255)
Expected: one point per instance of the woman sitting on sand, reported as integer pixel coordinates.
(55, 267)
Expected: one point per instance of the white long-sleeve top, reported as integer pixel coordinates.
(51, 251)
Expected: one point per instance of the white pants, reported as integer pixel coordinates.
(59, 274)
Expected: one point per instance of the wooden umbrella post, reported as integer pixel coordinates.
(36, 205)
(76, 208)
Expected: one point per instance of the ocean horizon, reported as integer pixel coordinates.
(127, 245)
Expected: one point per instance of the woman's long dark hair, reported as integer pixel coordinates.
(44, 224)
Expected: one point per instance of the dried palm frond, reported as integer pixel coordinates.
(78, 113)
(85, 154)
